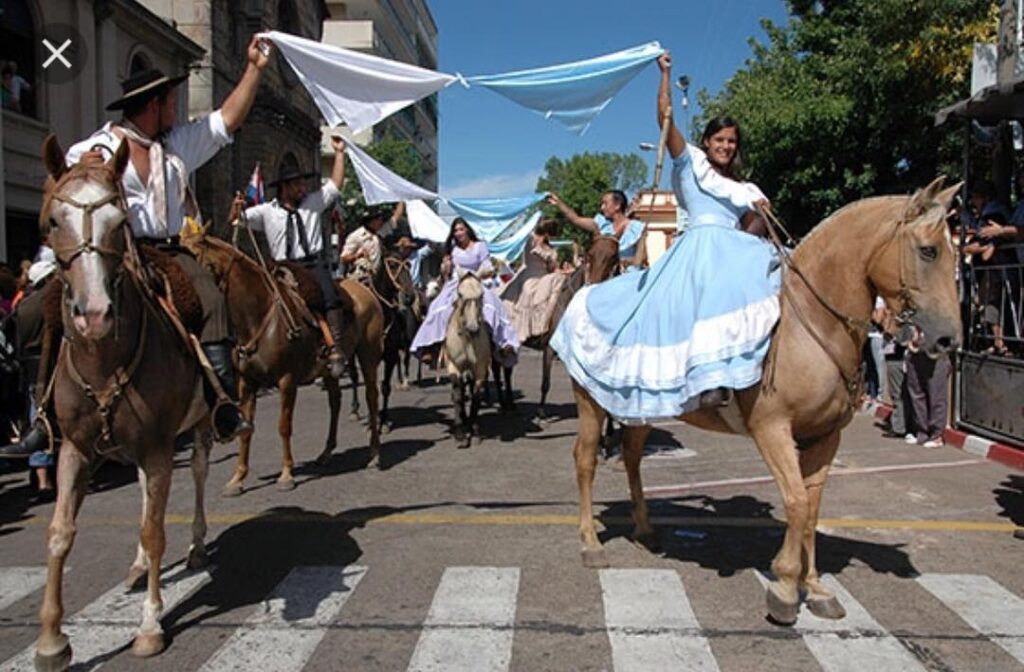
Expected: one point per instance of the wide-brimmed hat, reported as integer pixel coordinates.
(144, 85)
(40, 270)
(406, 242)
(289, 174)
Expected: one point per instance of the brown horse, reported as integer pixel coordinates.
(125, 383)
(897, 247)
(279, 345)
(398, 297)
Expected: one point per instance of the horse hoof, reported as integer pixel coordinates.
(374, 463)
(595, 558)
(353, 416)
(148, 644)
(285, 485)
(134, 580)
(648, 540)
(197, 558)
(829, 607)
(54, 662)
(232, 490)
(780, 611)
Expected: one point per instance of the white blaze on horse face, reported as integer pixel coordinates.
(89, 278)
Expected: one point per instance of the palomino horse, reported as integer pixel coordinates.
(894, 246)
(125, 383)
(467, 346)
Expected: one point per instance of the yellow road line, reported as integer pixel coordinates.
(540, 520)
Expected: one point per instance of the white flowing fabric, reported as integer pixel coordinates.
(380, 185)
(425, 223)
(352, 87)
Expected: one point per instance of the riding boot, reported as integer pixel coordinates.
(228, 421)
(336, 360)
(716, 398)
(40, 437)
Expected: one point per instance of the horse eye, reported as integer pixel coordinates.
(53, 223)
(929, 252)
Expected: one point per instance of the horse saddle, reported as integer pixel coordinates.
(164, 276)
(305, 290)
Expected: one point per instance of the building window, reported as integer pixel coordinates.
(18, 58)
(139, 63)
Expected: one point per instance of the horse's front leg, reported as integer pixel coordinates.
(53, 650)
(779, 452)
(288, 389)
(197, 557)
(588, 436)
(458, 403)
(815, 461)
(158, 465)
(353, 373)
(476, 389)
(334, 404)
(545, 381)
(507, 402)
(390, 364)
(247, 404)
(633, 440)
(369, 362)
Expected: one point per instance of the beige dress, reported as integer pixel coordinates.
(531, 295)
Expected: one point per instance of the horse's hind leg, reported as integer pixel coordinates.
(247, 403)
(353, 373)
(779, 452)
(507, 402)
(53, 650)
(459, 404)
(390, 364)
(588, 435)
(815, 461)
(334, 404)
(633, 440)
(197, 557)
(158, 466)
(474, 410)
(545, 381)
(287, 389)
(369, 362)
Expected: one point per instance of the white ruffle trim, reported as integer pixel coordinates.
(665, 367)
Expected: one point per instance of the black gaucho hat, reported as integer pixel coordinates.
(143, 86)
(290, 173)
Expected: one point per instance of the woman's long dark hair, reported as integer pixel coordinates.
(714, 126)
(619, 197)
(450, 243)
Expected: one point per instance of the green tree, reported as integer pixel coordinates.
(581, 180)
(398, 156)
(839, 104)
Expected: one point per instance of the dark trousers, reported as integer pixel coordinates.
(323, 275)
(215, 306)
(898, 390)
(928, 391)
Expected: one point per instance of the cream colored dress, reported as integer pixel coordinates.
(531, 295)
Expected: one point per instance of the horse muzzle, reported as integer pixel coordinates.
(93, 318)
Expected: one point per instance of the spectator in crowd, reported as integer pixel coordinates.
(928, 391)
(8, 288)
(874, 361)
(13, 86)
(990, 246)
(894, 354)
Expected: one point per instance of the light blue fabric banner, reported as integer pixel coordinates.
(490, 217)
(511, 244)
(572, 93)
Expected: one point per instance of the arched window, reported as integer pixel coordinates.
(140, 63)
(18, 57)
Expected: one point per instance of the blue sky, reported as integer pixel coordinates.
(489, 146)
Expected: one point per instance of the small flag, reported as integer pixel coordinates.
(254, 192)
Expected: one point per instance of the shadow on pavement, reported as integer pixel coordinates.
(1010, 496)
(737, 533)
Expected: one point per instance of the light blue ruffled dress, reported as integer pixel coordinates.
(645, 345)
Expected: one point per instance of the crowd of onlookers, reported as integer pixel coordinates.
(13, 88)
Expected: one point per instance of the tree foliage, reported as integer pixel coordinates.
(580, 181)
(839, 104)
(399, 156)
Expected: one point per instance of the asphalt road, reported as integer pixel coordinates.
(451, 559)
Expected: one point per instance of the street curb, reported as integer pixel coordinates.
(1007, 455)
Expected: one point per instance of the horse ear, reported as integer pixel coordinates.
(119, 161)
(946, 196)
(53, 157)
(922, 199)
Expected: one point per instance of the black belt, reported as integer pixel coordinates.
(169, 241)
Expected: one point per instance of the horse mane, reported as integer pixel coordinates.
(826, 228)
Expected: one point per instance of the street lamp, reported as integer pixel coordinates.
(647, 146)
(683, 84)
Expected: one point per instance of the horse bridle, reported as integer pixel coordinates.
(67, 255)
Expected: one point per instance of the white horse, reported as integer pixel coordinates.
(467, 346)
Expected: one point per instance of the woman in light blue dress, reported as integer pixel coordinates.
(611, 221)
(466, 253)
(664, 341)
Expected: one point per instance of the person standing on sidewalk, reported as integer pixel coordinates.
(928, 391)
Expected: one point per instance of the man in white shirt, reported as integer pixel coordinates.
(363, 251)
(158, 197)
(292, 224)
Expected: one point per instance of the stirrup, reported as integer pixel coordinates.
(228, 421)
(716, 398)
(336, 364)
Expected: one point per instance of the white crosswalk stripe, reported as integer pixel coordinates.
(109, 622)
(19, 582)
(651, 625)
(287, 627)
(470, 623)
(984, 605)
(854, 643)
